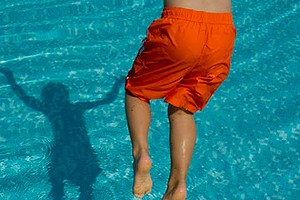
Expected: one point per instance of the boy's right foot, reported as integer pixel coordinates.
(178, 192)
(142, 180)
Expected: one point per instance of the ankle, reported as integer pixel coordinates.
(139, 153)
(176, 191)
(180, 190)
(177, 177)
(142, 160)
(177, 183)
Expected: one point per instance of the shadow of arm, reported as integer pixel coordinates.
(110, 96)
(18, 90)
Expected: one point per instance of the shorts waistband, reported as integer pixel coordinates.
(197, 16)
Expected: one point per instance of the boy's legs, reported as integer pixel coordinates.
(138, 119)
(182, 142)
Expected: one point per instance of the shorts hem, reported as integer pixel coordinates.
(179, 104)
(137, 96)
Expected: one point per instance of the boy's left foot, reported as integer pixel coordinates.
(142, 179)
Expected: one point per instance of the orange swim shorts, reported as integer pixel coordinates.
(184, 58)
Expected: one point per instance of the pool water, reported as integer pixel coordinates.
(79, 51)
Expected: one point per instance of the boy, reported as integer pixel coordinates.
(184, 59)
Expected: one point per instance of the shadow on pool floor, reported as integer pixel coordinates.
(72, 156)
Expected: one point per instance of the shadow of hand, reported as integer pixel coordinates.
(8, 74)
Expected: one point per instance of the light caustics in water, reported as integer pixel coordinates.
(247, 137)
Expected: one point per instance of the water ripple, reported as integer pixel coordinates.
(86, 43)
(34, 150)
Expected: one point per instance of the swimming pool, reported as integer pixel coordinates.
(248, 135)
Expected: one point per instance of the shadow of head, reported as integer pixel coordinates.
(55, 95)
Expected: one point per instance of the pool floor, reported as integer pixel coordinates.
(63, 130)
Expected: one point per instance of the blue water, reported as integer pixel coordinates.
(247, 137)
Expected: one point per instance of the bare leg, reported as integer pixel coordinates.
(182, 142)
(138, 118)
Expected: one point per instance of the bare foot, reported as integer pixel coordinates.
(178, 192)
(142, 179)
